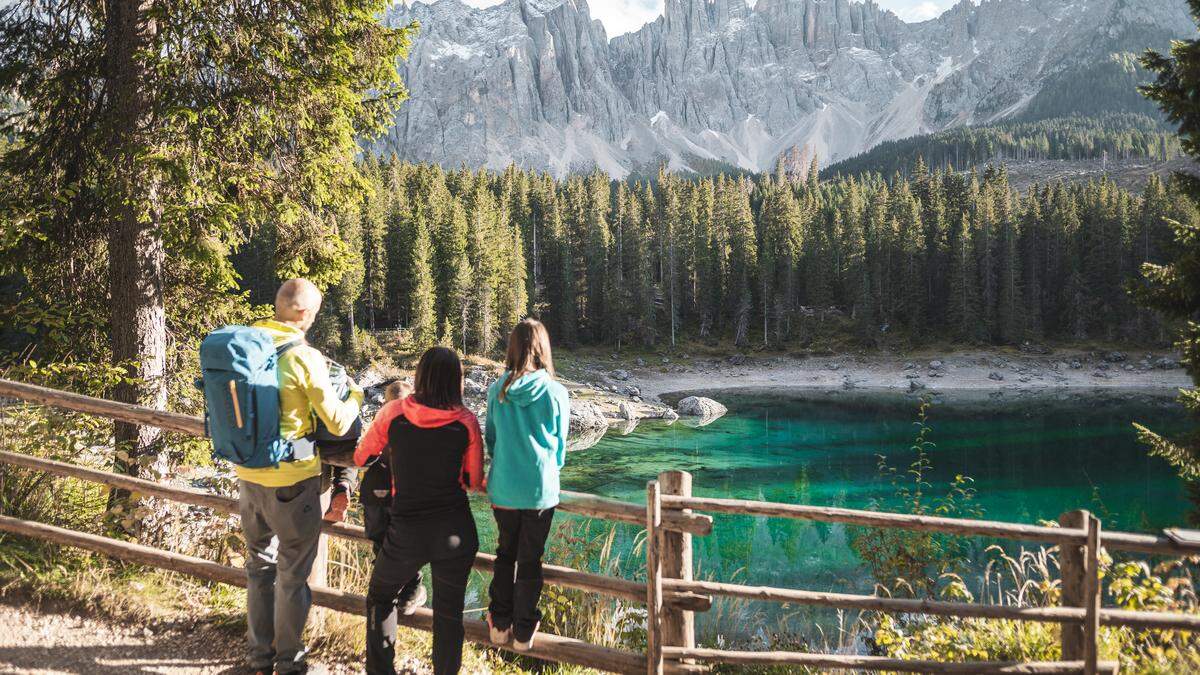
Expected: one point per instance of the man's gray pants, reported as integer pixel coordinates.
(282, 527)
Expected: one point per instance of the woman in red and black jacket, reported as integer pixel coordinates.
(435, 452)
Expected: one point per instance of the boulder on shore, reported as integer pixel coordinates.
(699, 406)
(586, 416)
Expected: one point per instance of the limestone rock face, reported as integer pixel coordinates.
(538, 83)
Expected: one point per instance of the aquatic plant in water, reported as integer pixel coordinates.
(914, 562)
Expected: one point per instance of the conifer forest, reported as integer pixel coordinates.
(778, 261)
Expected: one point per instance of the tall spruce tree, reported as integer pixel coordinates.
(151, 139)
(743, 257)
(1174, 287)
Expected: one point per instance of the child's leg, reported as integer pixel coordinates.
(531, 543)
(508, 526)
(343, 478)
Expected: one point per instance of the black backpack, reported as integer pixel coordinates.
(375, 489)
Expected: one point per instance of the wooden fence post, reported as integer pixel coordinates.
(1091, 596)
(678, 626)
(654, 604)
(1080, 567)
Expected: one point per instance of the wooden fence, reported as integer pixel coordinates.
(670, 593)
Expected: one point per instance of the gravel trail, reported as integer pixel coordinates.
(44, 640)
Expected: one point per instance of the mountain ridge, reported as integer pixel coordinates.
(538, 83)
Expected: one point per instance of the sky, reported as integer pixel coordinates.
(623, 16)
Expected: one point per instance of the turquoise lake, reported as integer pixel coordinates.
(1030, 458)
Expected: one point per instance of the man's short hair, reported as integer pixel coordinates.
(296, 296)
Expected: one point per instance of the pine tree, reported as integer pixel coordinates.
(486, 225)
(1173, 285)
(668, 220)
(373, 248)
(646, 291)
(878, 246)
(512, 303)
(396, 286)
(780, 242)
(597, 239)
(909, 264)
(713, 242)
(743, 257)
(457, 277)
(963, 310)
(560, 278)
(421, 302)
(1011, 313)
(1032, 246)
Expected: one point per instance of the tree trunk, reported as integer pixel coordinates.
(135, 247)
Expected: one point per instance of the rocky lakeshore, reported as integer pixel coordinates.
(618, 392)
(1030, 370)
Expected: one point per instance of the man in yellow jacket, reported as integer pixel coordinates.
(281, 506)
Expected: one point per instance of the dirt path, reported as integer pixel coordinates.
(45, 639)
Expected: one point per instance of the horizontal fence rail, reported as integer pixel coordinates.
(849, 662)
(670, 594)
(554, 574)
(1117, 541)
(592, 506)
(548, 646)
(1079, 561)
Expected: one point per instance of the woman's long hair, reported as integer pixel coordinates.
(528, 350)
(438, 383)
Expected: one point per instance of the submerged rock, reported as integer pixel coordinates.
(585, 438)
(699, 406)
(626, 427)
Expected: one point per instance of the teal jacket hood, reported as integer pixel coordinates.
(526, 436)
(528, 388)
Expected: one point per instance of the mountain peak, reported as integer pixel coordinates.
(537, 82)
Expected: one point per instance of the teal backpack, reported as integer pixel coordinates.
(240, 379)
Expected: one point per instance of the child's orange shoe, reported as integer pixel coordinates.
(338, 503)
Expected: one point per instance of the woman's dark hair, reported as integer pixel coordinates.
(439, 379)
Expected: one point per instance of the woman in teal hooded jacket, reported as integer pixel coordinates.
(528, 417)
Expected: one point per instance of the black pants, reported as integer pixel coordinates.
(517, 580)
(377, 521)
(448, 543)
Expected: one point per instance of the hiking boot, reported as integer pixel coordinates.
(526, 645)
(409, 607)
(499, 637)
(338, 503)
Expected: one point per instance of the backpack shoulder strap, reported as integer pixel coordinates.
(288, 346)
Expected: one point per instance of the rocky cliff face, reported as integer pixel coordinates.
(538, 82)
